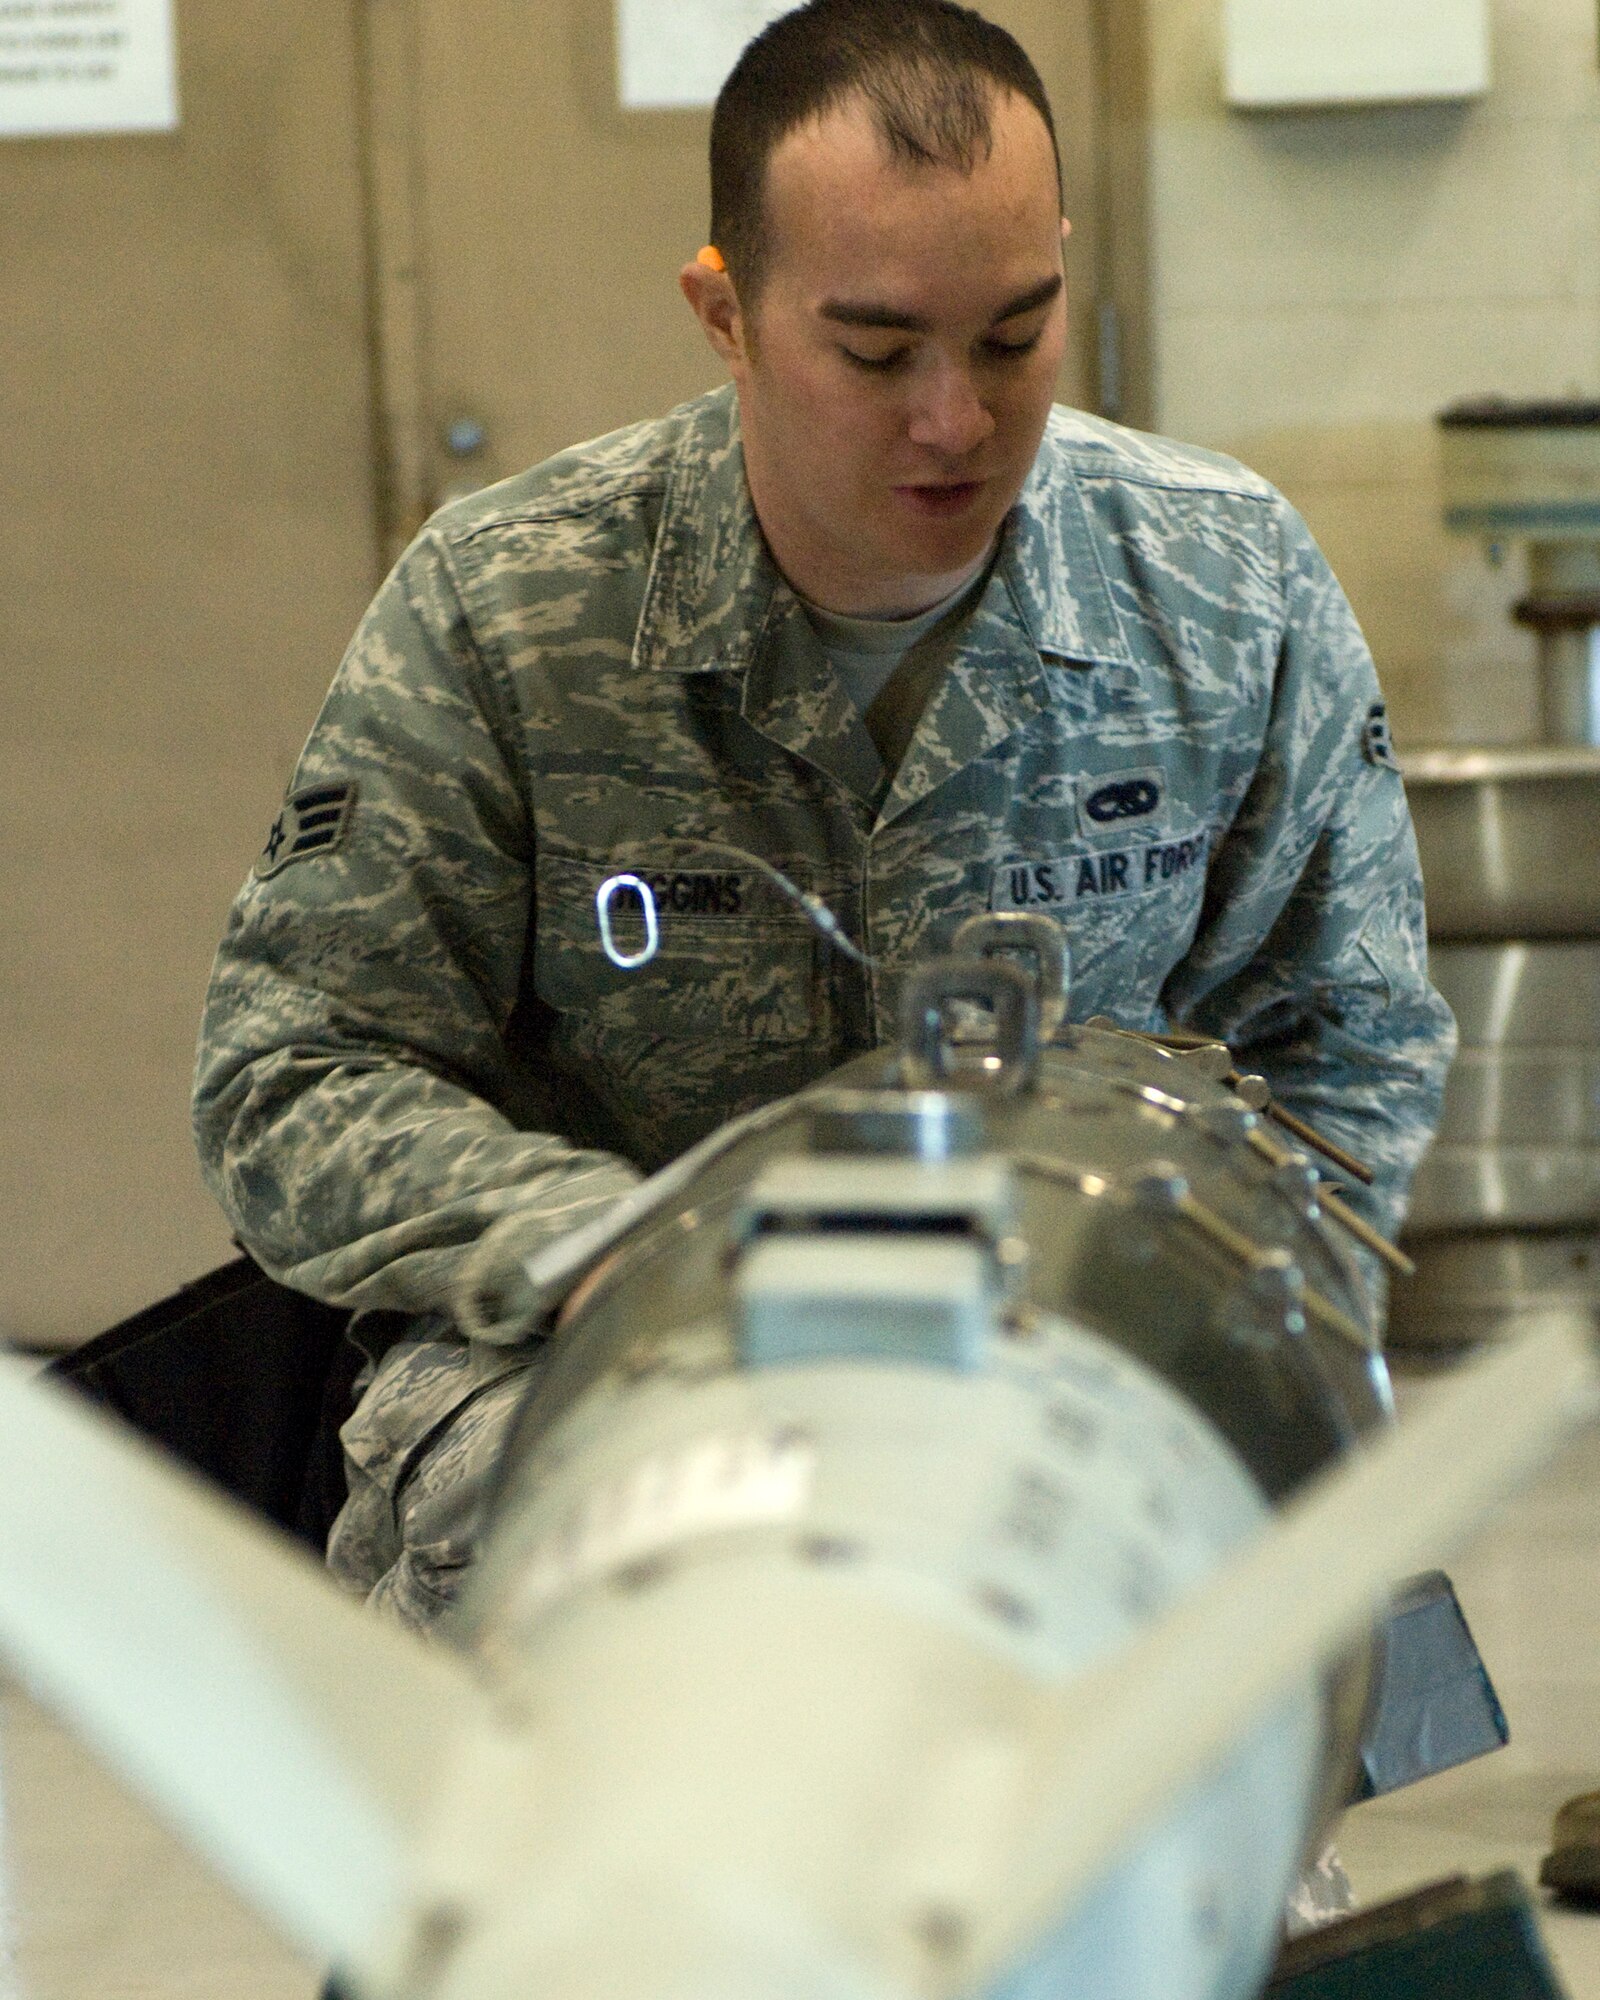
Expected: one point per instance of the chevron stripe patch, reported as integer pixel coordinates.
(312, 822)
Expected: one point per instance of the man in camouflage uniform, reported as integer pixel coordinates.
(878, 614)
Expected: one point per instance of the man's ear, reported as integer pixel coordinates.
(715, 304)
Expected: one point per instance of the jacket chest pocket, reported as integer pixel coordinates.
(722, 970)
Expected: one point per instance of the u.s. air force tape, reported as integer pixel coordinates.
(1092, 878)
(313, 821)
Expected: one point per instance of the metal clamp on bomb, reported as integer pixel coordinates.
(1010, 1063)
(1024, 934)
(875, 1258)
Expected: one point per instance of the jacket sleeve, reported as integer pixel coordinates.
(356, 1107)
(1311, 959)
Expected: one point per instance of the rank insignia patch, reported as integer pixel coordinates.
(312, 822)
(1377, 745)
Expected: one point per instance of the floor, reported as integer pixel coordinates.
(1531, 1592)
(105, 1903)
(109, 1907)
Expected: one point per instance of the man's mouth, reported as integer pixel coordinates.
(942, 497)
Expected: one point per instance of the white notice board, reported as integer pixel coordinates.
(86, 66)
(677, 52)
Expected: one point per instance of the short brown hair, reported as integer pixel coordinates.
(928, 69)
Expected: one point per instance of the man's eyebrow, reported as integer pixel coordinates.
(851, 312)
(846, 312)
(1031, 300)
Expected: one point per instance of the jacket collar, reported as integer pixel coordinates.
(713, 589)
(1053, 569)
(712, 583)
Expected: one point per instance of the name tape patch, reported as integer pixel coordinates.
(1109, 804)
(1066, 879)
(312, 822)
(698, 893)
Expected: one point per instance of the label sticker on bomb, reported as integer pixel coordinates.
(717, 1483)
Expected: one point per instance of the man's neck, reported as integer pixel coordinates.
(895, 597)
(886, 631)
(831, 585)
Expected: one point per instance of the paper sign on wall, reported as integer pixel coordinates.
(86, 66)
(679, 55)
(1287, 53)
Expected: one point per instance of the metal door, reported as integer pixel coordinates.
(530, 232)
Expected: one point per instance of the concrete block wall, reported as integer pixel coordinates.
(1323, 282)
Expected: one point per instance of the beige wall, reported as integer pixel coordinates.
(1323, 283)
(186, 536)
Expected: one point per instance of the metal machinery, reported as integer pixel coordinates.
(1505, 1216)
(1096, 1306)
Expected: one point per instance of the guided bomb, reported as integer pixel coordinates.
(914, 1571)
(894, 1406)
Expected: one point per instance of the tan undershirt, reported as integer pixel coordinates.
(890, 667)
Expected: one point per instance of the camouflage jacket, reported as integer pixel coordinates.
(1161, 724)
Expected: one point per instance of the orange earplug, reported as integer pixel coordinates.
(712, 258)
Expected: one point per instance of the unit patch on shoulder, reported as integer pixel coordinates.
(1119, 799)
(312, 822)
(1377, 745)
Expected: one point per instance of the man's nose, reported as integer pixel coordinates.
(947, 413)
